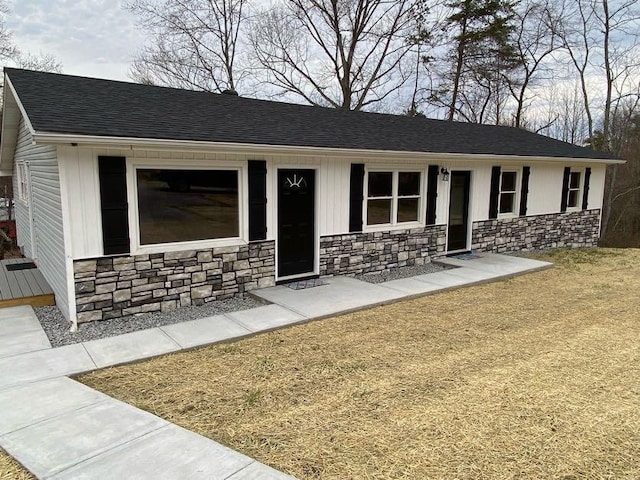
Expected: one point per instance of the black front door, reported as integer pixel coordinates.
(458, 211)
(296, 222)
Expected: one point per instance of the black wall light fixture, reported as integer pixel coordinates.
(445, 174)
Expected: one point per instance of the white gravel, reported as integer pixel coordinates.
(58, 329)
(402, 272)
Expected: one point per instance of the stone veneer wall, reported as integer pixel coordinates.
(571, 229)
(112, 287)
(357, 253)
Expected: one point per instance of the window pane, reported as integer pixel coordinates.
(408, 183)
(573, 198)
(407, 210)
(378, 212)
(574, 180)
(508, 181)
(507, 201)
(380, 184)
(187, 205)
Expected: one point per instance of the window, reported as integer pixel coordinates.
(187, 205)
(393, 197)
(23, 186)
(508, 192)
(573, 195)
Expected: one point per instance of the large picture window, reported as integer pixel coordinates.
(393, 197)
(187, 205)
(508, 192)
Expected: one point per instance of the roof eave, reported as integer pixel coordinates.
(12, 112)
(265, 149)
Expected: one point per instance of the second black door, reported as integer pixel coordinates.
(458, 211)
(296, 222)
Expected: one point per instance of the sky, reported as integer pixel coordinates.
(94, 38)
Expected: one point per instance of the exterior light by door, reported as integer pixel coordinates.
(445, 174)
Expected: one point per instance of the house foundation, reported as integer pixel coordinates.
(358, 253)
(113, 287)
(571, 229)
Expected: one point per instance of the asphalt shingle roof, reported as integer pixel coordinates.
(87, 106)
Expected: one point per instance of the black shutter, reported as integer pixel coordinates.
(356, 197)
(257, 173)
(432, 194)
(115, 209)
(524, 190)
(585, 193)
(495, 192)
(565, 189)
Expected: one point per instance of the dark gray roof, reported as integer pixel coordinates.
(87, 106)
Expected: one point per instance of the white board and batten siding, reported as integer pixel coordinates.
(79, 168)
(45, 242)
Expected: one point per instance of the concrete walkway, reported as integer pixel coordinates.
(60, 429)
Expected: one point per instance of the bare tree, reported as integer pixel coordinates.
(621, 215)
(7, 49)
(42, 62)
(195, 43)
(338, 53)
(536, 38)
(601, 39)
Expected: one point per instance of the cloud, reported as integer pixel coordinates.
(89, 37)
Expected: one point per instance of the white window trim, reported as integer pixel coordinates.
(580, 188)
(134, 164)
(518, 191)
(394, 225)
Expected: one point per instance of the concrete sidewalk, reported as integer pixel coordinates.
(58, 428)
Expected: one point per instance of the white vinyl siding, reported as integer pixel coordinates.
(24, 150)
(46, 211)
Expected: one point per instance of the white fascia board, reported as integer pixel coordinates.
(7, 83)
(263, 149)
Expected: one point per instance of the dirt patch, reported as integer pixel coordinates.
(532, 377)
(12, 470)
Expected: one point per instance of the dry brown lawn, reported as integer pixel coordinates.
(532, 377)
(12, 470)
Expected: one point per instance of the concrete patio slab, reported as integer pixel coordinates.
(168, 453)
(57, 444)
(411, 286)
(260, 471)
(23, 342)
(43, 364)
(130, 347)
(18, 320)
(498, 268)
(500, 264)
(442, 280)
(204, 331)
(472, 275)
(32, 403)
(266, 317)
(340, 295)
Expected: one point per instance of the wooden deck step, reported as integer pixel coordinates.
(24, 286)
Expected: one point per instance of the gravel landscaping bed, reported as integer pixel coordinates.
(402, 272)
(57, 327)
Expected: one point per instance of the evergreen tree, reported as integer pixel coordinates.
(482, 54)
